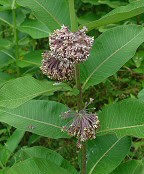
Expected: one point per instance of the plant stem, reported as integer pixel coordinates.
(15, 31)
(74, 27)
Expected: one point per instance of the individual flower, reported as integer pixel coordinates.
(72, 46)
(82, 126)
(56, 69)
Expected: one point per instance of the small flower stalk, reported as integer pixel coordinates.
(83, 125)
(66, 50)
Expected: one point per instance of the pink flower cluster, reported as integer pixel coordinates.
(66, 50)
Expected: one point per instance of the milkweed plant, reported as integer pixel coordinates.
(55, 89)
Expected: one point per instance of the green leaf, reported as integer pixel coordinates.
(5, 77)
(130, 167)
(52, 13)
(20, 90)
(105, 153)
(11, 145)
(44, 153)
(36, 166)
(6, 17)
(112, 4)
(3, 171)
(33, 58)
(141, 95)
(118, 14)
(6, 57)
(123, 118)
(4, 43)
(38, 116)
(110, 52)
(34, 28)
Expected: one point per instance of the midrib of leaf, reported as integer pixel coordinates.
(30, 119)
(35, 28)
(47, 11)
(5, 21)
(7, 54)
(96, 22)
(108, 59)
(135, 168)
(28, 96)
(120, 128)
(103, 156)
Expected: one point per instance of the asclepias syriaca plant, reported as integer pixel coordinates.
(73, 63)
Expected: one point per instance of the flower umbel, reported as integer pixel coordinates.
(73, 46)
(66, 50)
(83, 125)
(56, 69)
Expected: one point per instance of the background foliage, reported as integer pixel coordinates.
(31, 140)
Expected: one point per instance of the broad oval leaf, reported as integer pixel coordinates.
(110, 52)
(118, 14)
(34, 28)
(105, 153)
(38, 116)
(130, 167)
(44, 153)
(20, 90)
(52, 13)
(123, 118)
(36, 166)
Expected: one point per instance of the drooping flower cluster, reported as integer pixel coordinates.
(82, 126)
(66, 50)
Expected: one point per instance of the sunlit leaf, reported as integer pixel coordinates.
(41, 117)
(123, 118)
(52, 13)
(105, 153)
(110, 52)
(23, 89)
(34, 28)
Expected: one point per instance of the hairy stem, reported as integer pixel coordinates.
(15, 31)
(74, 27)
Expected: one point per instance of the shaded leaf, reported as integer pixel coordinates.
(118, 14)
(112, 4)
(4, 43)
(38, 116)
(105, 153)
(5, 77)
(110, 52)
(33, 58)
(11, 145)
(6, 17)
(20, 90)
(6, 57)
(123, 118)
(49, 12)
